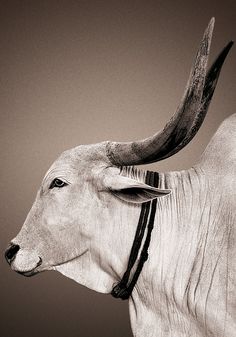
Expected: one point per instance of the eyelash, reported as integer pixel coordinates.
(57, 183)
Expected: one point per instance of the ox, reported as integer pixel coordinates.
(84, 220)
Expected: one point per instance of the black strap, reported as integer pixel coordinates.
(124, 289)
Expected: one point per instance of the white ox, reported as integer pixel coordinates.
(86, 212)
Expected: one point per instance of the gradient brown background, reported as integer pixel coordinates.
(78, 72)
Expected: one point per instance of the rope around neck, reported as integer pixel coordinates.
(125, 287)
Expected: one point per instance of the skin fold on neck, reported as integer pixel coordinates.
(187, 275)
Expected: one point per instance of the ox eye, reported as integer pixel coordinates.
(57, 183)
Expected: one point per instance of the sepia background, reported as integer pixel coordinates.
(77, 72)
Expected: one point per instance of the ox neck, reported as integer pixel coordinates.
(178, 277)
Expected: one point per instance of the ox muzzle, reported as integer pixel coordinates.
(11, 254)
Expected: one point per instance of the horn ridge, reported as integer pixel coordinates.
(177, 132)
(208, 91)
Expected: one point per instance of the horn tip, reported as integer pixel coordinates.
(227, 48)
(207, 37)
(211, 25)
(212, 21)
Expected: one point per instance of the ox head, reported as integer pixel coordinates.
(85, 197)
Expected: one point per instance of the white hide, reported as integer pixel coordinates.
(85, 231)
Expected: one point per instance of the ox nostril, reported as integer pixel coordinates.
(11, 252)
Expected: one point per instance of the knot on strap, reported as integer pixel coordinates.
(120, 291)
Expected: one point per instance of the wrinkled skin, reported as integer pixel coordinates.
(70, 229)
(86, 228)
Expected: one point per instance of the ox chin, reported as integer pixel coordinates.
(27, 273)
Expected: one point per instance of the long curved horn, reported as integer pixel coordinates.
(208, 91)
(187, 119)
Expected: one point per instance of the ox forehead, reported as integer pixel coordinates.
(79, 160)
(89, 216)
(83, 155)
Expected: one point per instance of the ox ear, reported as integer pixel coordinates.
(133, 191)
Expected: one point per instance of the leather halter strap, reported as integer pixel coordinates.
(125, 287)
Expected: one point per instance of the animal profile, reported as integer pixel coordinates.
(166, 241)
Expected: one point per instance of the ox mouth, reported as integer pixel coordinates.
(35, 271)
(31, 272)
(70, 260)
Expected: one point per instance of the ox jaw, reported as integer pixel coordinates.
(77, 270)
(71, 269)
